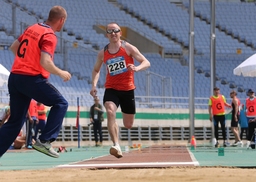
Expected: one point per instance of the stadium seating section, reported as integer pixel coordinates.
(165, 23)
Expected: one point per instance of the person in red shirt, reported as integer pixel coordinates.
(32, 120)
(33, 64)
(20, 141)
(119, 57)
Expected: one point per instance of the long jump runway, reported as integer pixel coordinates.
(147, 157)
(99, 158)
(153, 156)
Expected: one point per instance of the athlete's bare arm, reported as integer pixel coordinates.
(210, 112)
(135, 53)
(14, 47)
(225, 102)
(47, 63)
(96, 73)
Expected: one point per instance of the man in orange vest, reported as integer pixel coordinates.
(33, 63)
(216, 109)
(251, 116)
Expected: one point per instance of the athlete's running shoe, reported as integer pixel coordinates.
(116, 151)
(238, 143)
(45, 148)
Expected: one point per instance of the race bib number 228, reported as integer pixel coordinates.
(116, 65)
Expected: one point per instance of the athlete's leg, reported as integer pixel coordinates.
(243, 130)
(246, 132)
(223, 127)
(127, 104)
(19, 104)
(113, 129)
(216, 127)
(250, 131)
(233, 129)
(100, 132)
(237, 134)
(95, 129)
(128, 120)
(47, 94)
(241, 133)
(111, 121)
(29, 136)
(40, 126)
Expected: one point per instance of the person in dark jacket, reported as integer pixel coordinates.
(96, 118)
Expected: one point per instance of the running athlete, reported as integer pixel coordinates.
(235, 117)
(217, 104)
(33, 64)
(119, 57)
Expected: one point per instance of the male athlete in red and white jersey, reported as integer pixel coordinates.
(119, 58)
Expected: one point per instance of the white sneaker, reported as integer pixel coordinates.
(116, 151)
(248, 144)
(240, 144)
(45, 148)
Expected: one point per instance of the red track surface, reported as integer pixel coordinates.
(154, 156)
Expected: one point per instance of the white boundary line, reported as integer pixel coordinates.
(192, 157)
(143, 164)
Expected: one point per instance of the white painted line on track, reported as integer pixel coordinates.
(143, 164)
(192, 157)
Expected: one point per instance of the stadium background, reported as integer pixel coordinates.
(160, 30)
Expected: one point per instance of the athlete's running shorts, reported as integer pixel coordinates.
(123, 98)
(234, 123)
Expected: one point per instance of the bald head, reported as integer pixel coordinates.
(56, 13)
(57, 17)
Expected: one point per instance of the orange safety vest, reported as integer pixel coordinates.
(251, 107)
(218, 106)
(27, 58)
(118, 76)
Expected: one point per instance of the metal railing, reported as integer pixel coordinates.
(70, 133)
(162, 102)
